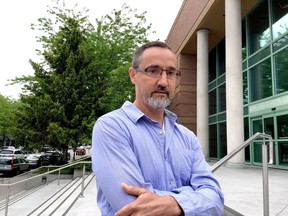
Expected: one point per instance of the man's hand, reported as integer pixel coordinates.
(148, 203)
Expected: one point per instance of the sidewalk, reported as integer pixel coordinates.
(243, 190)
(28, 204)
(86, 205)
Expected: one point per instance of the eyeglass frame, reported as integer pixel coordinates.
(177, 72)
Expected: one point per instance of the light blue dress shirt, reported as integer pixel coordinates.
(128, 147)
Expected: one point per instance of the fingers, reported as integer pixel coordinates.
(132, 190)
(125, 211)
(135, 206)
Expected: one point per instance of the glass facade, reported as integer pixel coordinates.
(260, 81)
(258, 27)
(265, 81)
(282, 138)
(281, 74)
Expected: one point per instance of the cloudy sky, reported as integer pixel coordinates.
(18, 41)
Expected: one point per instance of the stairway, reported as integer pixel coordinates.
(52, 199)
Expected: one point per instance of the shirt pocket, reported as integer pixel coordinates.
(185, 165)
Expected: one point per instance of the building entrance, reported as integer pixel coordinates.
(277, 127)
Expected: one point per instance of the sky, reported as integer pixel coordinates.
(18, 42)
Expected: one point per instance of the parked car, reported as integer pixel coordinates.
(15, 152)
(54, 157)
(13, 165)
(37, 160)
(80, 151)
(7, 147)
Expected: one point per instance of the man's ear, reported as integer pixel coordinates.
(132, 74)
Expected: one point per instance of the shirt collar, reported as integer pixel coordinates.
(135, 114)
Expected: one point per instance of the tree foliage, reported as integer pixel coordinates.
(82, 74)
(122, 35)
(6, 110)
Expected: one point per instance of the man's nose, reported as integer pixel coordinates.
(163, 78)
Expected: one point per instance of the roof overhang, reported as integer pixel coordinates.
(212, 17)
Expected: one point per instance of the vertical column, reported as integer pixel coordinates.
(234, 85)
(202, 90)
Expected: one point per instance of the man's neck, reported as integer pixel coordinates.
(155, 114)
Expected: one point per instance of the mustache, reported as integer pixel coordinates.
(161, 90)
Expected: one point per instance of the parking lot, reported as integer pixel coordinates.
(72, 158)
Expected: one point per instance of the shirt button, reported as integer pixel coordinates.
(161, 132)
(171, 182)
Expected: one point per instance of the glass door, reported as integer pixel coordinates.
(263, 125)
(277, 127)
(282, 139)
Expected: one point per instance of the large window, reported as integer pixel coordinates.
(212, 65)
(258, 25)
(223, 139)
(279, 17)
(217, 89)
(222, 98)
(212, 102)
(244, 42)
(221, 58)
(217, 140)
(245, 88)
(281, 62)
(213, 141)
(261, 80)
(282, 126)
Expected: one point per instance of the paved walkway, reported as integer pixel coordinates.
(242, 189)
(86, 205)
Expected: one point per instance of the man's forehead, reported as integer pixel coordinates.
(158, 56)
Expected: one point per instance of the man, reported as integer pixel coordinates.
(145, 162)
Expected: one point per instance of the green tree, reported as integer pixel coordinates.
(8, 109)
(5, 117)
(82, 69)
(118, 35)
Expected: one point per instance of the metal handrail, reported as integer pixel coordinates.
(264, 163)
(75, 162)
(46, 174)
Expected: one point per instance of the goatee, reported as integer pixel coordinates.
(159, 102)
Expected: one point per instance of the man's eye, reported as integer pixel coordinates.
(152, 70)
(171, 72)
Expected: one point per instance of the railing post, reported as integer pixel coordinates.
(47, 179)
(83, 179)
(7, 200)
(59, 177)
(265, 180)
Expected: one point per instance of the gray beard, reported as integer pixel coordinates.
(159, 103)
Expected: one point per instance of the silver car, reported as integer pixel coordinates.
(12, 165)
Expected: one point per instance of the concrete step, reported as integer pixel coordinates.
(17, 197)
(67, 203)
(87, 203)
(48, 201)
(62, 200)
(27, 204)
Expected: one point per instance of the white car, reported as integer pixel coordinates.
(13, 152)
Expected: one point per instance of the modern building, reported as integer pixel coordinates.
(233, 55)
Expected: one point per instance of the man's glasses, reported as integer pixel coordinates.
(156, 72)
